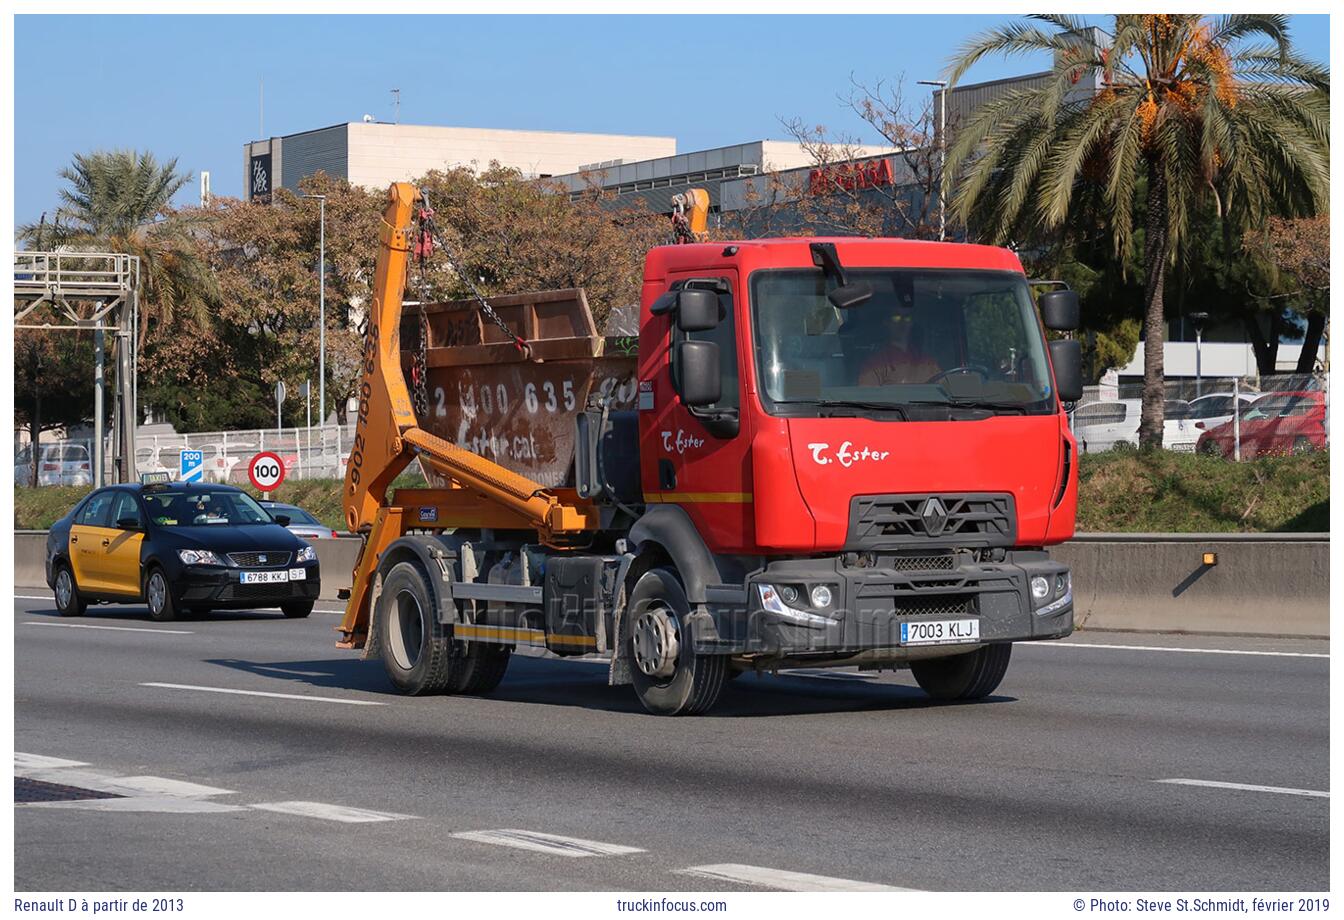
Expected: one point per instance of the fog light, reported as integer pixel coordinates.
(789, 593)
(821, 596)
(1040, 587)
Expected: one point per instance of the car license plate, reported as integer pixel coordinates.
(263, 578)
(939, 632)
(298, 574)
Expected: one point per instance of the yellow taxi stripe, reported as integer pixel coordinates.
(725, 498)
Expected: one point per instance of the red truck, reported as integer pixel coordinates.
(828, 452)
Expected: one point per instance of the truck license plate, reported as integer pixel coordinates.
(263, 578)
(938, 632)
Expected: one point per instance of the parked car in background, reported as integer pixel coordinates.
(301, 523)
(57, 465)
(1212, 409)
(1282, 422)
(1103, 425)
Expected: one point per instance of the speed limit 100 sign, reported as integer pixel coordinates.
(266, 470)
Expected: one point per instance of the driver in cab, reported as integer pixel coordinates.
(883, 331)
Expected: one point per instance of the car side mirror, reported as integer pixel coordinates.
(129, 523)
(1060, 310)
(1066, 356)
(698, 310)
(282, 519)
(698, 381)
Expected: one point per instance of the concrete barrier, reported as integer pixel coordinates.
(1262, 584)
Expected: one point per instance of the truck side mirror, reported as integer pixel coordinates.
(1060, 310)
(698, 381)
(1066, 355)
(698, 310)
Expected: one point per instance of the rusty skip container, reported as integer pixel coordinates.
(486, 396)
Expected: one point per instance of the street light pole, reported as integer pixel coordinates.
(942, 154)
(1198, 319)
(321, 308)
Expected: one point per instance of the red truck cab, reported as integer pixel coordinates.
(862, 457)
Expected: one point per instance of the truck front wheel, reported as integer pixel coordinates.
(417, 651)
(669, 677)
(972, 676)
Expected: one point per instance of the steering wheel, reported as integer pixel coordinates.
(981, 370)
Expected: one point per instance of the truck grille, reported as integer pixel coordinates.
(270, 559)
(962, 520)
(945, 562)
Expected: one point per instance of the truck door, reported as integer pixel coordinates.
(702, 461)
(87, 535)
(121, 554)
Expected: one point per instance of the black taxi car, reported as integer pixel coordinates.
(178, 547)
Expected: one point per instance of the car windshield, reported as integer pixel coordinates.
(202, 507)
(939, 337)
(296, 514)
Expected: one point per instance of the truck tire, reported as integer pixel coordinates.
(483, 667)
(669, 677)
(417, 650)
(972, 676)
(68, 601)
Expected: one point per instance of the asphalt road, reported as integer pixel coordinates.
(1056, 783)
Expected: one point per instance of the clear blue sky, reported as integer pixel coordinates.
(186, 86)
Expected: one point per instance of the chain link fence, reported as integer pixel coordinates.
(1240, 418)
(307, 453)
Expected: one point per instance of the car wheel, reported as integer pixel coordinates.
(159, 597)
(68, 601)
(297, 610)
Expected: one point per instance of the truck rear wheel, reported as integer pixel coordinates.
(669, 677)
(972, 676)
(482, 668)
(417, 650)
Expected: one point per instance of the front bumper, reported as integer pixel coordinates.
(870, 603)
(219, 587)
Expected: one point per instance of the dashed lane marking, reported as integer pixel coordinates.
(782, 880)
(24, 762)
(280, 696)
(343, 813)
(553, 844)
(175, 632)
(1245, 787)
(1173, 648)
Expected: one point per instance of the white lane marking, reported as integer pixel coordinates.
(280, 696)
(1246, 787)
(23, 762)
(175, 632)
(1161, 648)
(326, 812)
(160, 804)
(148, 786)
(782, 880)
(159, 785)
(553, 844)
(34, 597)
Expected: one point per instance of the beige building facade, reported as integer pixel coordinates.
(374, 155)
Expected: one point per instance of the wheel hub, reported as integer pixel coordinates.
(63, 588)
(656, 644)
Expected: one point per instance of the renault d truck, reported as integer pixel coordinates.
(838, 452)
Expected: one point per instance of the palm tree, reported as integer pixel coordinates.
(120, 201)
(1190, 109)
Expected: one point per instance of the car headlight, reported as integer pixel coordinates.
(307, 554)
(199, 557)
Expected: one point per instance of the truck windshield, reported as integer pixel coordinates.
(925, 337)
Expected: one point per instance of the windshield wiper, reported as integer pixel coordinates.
(874, 405)
(1017, 408)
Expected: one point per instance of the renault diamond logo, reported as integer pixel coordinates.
(934, 516)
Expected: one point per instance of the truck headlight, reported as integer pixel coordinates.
(1040, 588)
(306, 554)
(821, 597)
(773, 603)
(199, 557)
